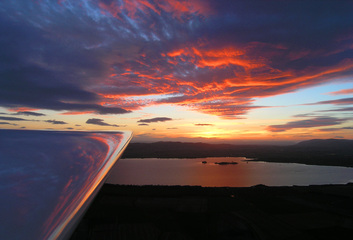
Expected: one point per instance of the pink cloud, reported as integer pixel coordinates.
(342, 92)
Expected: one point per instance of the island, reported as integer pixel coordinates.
(226, 163)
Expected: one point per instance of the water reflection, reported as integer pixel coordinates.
(192, 172)
(47, 177)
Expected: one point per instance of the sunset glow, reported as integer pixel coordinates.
(201, 70)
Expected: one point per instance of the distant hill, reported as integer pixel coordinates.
(327, 143)
(333, 152)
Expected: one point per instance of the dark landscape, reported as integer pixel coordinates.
(329, 152)
(193, 212)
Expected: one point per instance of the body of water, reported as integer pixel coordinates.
(155, 171)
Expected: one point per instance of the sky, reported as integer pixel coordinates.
(199, 70)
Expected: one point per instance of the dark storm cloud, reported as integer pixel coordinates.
(44, 62)
(308, 123)
(100, 122)
(157, 119)
(213, 56)
(143, 124)
(55, 122)
(310, 24)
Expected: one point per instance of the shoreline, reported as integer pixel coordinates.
(251, 159)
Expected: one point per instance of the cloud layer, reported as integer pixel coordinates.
(216, 57)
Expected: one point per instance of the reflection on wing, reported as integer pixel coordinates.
(48, 178)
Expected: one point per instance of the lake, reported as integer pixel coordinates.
(171, 171)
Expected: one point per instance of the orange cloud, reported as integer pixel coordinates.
(215, 57)
(22, 109)
(178, 8)
(111, 8)
(221, 81)
(77, 113)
